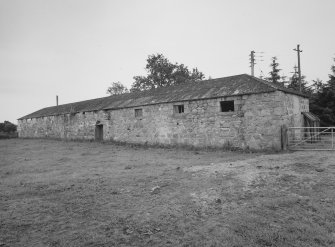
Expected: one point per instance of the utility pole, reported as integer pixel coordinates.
(252, 62)
(253, 57)
(295, 69)
(299, 68)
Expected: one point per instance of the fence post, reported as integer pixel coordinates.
(284, 138)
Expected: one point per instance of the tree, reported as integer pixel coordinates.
(323, 100)
(7, 127)
(331, 82)
(294, 83)
(117, 88)
(317, 86)
(274, 73)
(162, 73)
(314, 102)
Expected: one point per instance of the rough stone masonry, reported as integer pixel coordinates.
(254, 121)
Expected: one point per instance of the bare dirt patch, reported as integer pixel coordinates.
(56, 193)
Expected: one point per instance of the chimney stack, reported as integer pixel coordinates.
(57, 100)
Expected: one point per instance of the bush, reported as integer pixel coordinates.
(8, 127)
(8, 130)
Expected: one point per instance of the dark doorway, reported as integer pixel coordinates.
(99, 132)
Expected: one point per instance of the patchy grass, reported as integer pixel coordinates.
(56, 193)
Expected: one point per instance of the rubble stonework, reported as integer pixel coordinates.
(255, 122)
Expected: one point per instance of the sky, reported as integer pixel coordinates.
(76, 48)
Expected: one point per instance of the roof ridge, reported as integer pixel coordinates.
(277, 87)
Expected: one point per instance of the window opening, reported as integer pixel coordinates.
(178, 108)
(227, 106)
(138, 113)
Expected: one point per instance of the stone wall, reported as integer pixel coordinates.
(255, 122)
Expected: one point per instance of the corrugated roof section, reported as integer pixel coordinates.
(312, 117)
(221, 87)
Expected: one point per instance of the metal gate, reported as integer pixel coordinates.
(311, 138)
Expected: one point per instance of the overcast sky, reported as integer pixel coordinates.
(76, 48)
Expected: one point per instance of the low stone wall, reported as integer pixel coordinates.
(255, 122)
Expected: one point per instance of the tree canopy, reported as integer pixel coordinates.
(161, 73)
(294, 84)
(7, 127)
(117, 88)
(274, 73)
(323, 100)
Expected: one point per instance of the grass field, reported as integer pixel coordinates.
(55, 193)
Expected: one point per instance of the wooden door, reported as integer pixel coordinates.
(99, 132)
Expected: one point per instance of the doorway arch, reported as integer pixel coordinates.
(99, 131)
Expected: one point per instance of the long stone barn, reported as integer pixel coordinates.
(238, 111)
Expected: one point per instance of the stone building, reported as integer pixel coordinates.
(240, 111)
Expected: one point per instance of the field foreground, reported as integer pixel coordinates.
(55, 193)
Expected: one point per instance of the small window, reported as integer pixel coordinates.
(178, 108)
(138, 113)
(227, 106)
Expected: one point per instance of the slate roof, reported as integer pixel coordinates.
(213, 88)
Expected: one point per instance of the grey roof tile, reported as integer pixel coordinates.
(221, 87)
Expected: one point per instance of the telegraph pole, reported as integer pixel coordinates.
(295, 69)
(252, 62)
(253, 57)
(299, 68)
